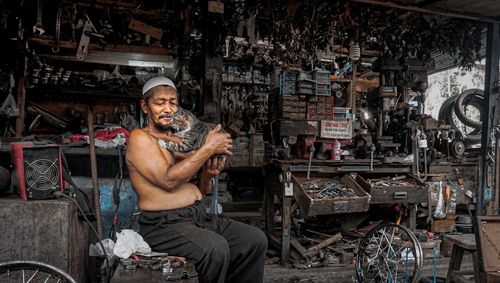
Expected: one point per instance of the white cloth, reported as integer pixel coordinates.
(129, 242)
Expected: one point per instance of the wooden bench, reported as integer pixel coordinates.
(461, 243)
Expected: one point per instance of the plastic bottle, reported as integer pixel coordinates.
(336, 150)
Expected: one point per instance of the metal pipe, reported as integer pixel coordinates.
(93, 172)
(214, 209)
(468, 16)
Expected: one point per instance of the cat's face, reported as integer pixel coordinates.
(182, 120)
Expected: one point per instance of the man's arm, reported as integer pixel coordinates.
(144, 154)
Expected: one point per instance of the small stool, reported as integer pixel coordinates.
(461, 243)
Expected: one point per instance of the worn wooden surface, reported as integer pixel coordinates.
(462, 243)
(142, 275)
(387, 194)
(488, 232)
(44, 230)
(466, 241)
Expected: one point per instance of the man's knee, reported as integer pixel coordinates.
(256, 238)
(217, 250)
(260, 239)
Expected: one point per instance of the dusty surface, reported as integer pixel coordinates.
(276, 273)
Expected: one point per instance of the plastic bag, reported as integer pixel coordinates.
(96, 249)
(129, 242)
(440, 213)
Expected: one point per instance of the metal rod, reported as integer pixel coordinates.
(93, 172)
(214, 209)
(491, 114)
(468, 16)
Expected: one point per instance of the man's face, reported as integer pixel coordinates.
(160, 107)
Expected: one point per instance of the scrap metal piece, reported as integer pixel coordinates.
(83, 46)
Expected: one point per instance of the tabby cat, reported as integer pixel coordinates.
(190, 129)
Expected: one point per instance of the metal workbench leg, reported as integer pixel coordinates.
(285, 227)
(413, 216)
(287, 194)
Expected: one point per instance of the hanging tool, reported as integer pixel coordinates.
(311, 154)
(55, 48)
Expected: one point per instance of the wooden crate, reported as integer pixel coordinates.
(312, 206)
(488, 228)
(394, 193)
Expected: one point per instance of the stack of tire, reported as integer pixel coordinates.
(457, 104)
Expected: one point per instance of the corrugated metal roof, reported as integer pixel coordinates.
(489, 8)
(480, 8)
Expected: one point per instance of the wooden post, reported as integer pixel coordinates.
(21, 95)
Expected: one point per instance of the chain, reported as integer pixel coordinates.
(491, 242)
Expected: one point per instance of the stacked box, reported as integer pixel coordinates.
(320, 108)
(257, 150)
(321, 77)
(288, 81)
(293, 107)
(323, 89)
(323, 83)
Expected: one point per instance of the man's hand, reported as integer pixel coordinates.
(217, 142)
(214, 166)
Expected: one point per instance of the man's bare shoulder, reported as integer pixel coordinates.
(139, 137)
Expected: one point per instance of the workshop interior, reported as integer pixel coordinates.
(352, 151)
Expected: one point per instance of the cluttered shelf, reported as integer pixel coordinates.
(89, 93)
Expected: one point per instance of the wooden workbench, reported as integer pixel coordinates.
(280, 187)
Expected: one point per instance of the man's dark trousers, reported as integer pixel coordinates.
(222, 249)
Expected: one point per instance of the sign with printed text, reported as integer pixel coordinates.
(336, 129)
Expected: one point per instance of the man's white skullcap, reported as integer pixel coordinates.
(156, 82)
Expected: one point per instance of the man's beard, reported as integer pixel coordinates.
(162, 128)
(159, 127)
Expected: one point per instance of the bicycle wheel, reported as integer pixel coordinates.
(389, 253)
(23, 271)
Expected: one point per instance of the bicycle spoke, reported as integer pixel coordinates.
(48, 277)
(36, 272)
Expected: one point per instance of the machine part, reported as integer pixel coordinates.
(457, 148)
(389, 253)
(32, 271)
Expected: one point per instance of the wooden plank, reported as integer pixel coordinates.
(144, 28)
(465, 241)
(315, 249)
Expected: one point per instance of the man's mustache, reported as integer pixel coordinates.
(166, 116)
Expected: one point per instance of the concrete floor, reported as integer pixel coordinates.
(275, 273)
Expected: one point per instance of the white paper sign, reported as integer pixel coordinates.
(336, 129)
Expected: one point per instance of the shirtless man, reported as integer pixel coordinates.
(173, 219)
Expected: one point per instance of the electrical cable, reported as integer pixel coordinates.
(61, 194)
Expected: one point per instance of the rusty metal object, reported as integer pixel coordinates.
(93, 172)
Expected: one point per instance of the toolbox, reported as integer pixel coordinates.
(402, 189)
(311, 205)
